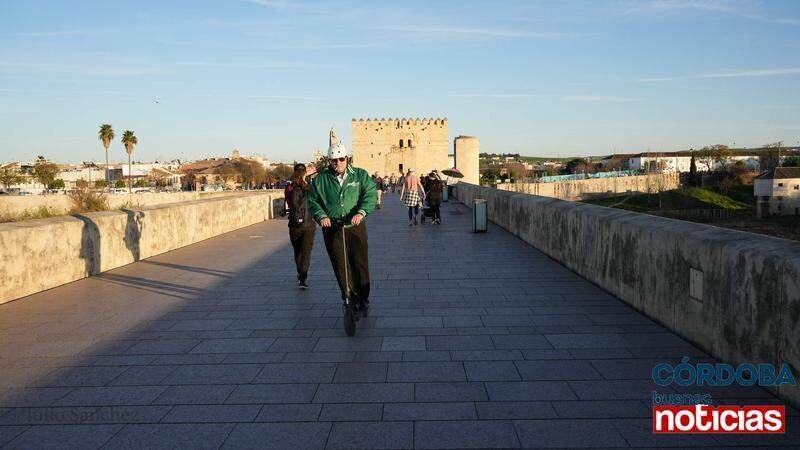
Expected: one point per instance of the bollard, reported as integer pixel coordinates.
(479, 222)
(445, 194)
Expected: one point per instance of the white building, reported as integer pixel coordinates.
(778, 192)
(682, 161)
(88, 174)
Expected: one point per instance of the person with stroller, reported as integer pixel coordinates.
(412, 194)
(434, 192)
(341, 197)
(301, 223)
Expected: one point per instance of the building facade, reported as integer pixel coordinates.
(682, 161)
(392, 146)
(777, 192)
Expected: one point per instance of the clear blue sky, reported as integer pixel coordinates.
(271, 76)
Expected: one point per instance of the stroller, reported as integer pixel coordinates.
(426, 212)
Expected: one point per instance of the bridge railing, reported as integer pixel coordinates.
(734, 294)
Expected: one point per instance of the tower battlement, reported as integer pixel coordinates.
(401, 121)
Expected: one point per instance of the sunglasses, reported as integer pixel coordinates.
(340, 159)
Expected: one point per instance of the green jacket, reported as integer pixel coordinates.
(357, 195)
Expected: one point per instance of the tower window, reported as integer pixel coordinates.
(401, 143)
(409, 142)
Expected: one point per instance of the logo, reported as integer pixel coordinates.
(704, 374)
(707, 419)
(678, 413)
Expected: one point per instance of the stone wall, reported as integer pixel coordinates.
(467, 158)
(734, 294)
(376, 145)
(597, 187)
(60, 203)
(41, 254)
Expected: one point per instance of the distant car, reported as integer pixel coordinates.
(4, 193)
(119, 191)
(24, 193)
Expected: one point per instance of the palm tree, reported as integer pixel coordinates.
(129, 140)
(106, 135)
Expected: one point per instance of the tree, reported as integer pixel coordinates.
(106, 135)
(721, 154)
(252, 173)
(45, 172)
(56, 184)
(130, 141)
(228, 173)
(693, 171)
(792, 161)
(9, 177)
(516, 171)
(490, 176)
(119, 184)
(100, 184)
(578, 165)
(282, 172)
(771, 156)
(140, 183)
(81, 184)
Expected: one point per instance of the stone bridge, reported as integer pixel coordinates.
(474, 341)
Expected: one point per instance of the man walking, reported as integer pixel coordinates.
(344, 195)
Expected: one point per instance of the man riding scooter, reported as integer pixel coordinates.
(340, 199)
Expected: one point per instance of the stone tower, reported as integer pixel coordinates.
(392, 146)
(467, 149)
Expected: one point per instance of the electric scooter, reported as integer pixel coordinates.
(349, 314)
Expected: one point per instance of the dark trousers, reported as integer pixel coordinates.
(302, 241)
(413, 211)
(357, 259)
(435, 212)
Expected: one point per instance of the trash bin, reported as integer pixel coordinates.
(479, 224)
(445, 194)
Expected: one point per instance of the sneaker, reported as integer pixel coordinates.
(364, 308)
(415, 220)
(410, 223)
(303, 285)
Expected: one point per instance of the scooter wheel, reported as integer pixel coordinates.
(348, 320)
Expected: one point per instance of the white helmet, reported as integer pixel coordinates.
(337, 150)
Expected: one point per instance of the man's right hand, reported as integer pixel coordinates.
(326, 223)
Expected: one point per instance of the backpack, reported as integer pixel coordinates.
(299, 214)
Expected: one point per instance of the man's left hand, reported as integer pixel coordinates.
(356, 219)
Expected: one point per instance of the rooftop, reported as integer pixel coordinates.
(780, 173)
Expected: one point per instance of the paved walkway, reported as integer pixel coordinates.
(473, 341)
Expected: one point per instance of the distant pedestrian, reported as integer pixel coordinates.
(302, 226)
(378, 187)
(412, 194)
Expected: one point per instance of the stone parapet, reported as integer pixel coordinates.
(41, 254)
(734, 294)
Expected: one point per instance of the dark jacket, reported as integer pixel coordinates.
(297, 203)
(434, 191)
